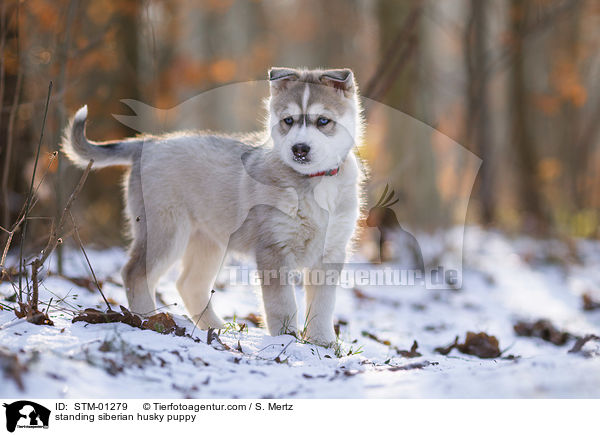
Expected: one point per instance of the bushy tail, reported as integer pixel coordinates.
(80, 150)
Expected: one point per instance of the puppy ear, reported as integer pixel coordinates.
(342, 79)
(279, 78)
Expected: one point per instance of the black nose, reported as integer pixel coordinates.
(300, 150)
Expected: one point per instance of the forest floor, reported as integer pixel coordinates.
(505, 281)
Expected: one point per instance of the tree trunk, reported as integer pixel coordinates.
(478, 126)
(523, 141)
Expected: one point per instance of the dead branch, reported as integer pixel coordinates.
(21, 218)
(54, 240)
(30, 194)
(54, 237)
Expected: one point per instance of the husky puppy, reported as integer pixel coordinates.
(288, 196)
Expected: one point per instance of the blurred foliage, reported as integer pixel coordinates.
(538, 62)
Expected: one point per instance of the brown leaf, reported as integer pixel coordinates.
(543, 329)
(359, 294)
(481, 345)
(160, 322)
(91, 315)
(478, 344)
(412, 353)
(589, 303)
(581, 341)
(32, 315)
(445, 350)
(12, 367)
(9, 274)
(413, 366)
(211, 336)
(375, 338)
(254, 318)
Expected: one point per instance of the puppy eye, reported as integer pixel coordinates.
(323, 121)
(289, 120)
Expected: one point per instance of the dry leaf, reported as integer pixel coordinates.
(32, 315)
(412, 353)
(543, 329)
(254, 318)
(413, 366)
(477, 344)
(581, 341)
(359, 294)
(12, 367)
(162, 323)
(589, 303)
(481, 345)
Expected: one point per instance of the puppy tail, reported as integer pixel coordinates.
(80, 150)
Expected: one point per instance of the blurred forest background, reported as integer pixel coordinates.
(515, 82)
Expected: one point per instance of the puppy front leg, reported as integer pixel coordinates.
(320, 304)
(278, 298)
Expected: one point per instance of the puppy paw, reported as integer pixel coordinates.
(209, 320)
(322, 338)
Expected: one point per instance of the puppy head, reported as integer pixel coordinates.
(314, 117)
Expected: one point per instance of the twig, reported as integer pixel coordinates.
(78, 238)
(48, 309)
(63, 299)
(21, 218)
(283, 350)
(54, 238)
(28, 201)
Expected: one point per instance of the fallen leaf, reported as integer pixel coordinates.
(162, 323)
(375, 338)
(589, 303)
(413, 366)
(477, 344)
(481, 345)
(12, 367)
(359, 294)
(543, 329)
(254, 318)
(445, 350)
(412, 353)
(32, 315)
(581, 341)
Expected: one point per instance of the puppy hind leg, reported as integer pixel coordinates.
(140, 296)
(150, 257)
(201, 264)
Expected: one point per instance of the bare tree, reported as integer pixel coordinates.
(478, 122)
(522, 136)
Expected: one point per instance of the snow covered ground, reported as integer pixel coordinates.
(505, 280)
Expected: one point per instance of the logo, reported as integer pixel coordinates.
(26, 414)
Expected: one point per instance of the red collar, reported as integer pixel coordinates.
(329, 173)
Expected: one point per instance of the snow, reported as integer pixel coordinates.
(504, 280)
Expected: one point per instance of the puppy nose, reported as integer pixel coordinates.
(300, 149)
